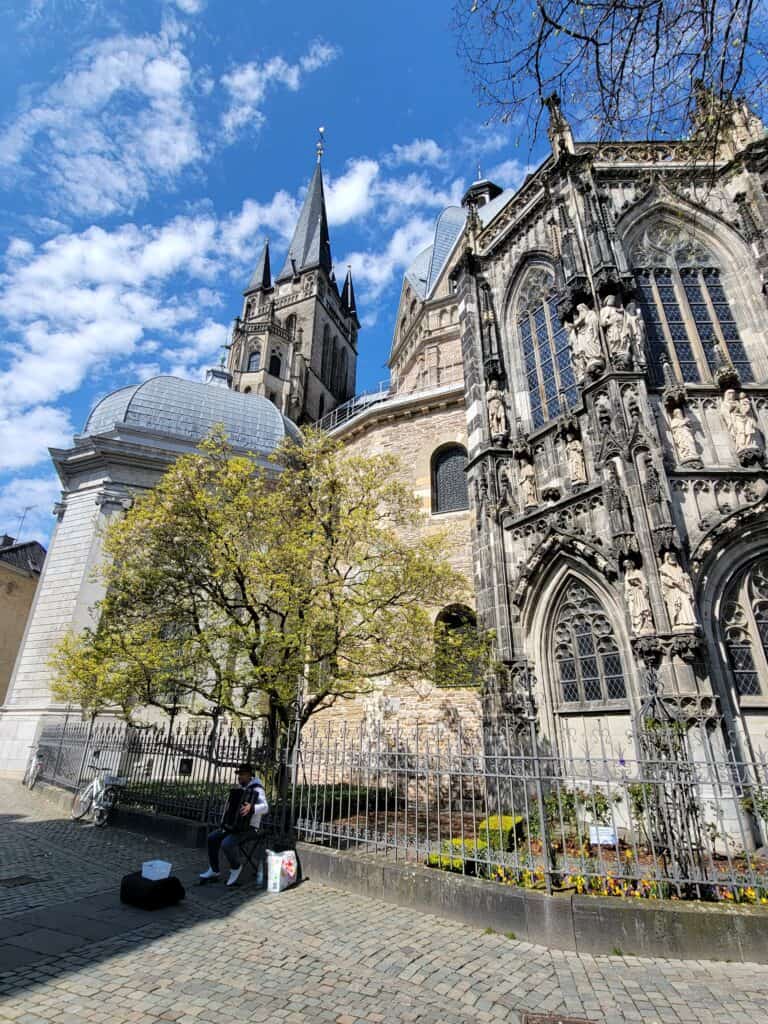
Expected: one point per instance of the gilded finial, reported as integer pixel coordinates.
(320, 144)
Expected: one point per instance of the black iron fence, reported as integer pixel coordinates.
(186, 771)
(684, 820)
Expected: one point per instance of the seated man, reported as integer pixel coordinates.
(253, 807)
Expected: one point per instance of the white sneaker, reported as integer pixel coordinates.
(234, 874)
(210, 873)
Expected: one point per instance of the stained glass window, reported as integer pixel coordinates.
(254, 360)
(684, 305)
(544, 342)
(449, 479)
(588, 662)
(745, 627)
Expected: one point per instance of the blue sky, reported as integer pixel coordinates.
(148, 148)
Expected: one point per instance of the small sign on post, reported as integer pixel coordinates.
(602, 835)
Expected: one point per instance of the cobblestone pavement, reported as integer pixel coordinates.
(69, 952)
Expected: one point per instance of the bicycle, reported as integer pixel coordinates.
(100, 794)
(34, 769)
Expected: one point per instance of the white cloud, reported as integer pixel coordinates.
(376, 270)
(509, 173)
(247, 85)
(32, 497)
(416, 190)
(420, 151)
(115, 125)
(197, 350)
(190, 6)
(25, 437)
(243, 233)
(351, 196)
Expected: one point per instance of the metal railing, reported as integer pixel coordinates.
(185, 771)
(682, 820)
(431, 378)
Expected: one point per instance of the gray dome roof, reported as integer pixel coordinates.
(185, 409)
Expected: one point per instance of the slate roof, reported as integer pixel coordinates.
(311, 245)
(262, 275)
(29, 555)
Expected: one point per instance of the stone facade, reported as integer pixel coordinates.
(296, 341)
(17, 591)
(617, 301)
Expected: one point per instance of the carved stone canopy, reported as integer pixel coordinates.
(557, 541)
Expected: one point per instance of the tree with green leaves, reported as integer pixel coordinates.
(268, 593)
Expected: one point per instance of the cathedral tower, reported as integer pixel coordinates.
(296, 341)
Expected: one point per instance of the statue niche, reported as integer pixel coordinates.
(498, 423)
(584, 339)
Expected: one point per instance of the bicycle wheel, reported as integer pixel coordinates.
(34, 774)
(107, 801)
(81, 802)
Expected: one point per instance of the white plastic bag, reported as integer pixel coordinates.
(281, 870)
(155, 869)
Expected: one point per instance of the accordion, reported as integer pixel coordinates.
(232, 819)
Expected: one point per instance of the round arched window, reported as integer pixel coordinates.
(449, 479)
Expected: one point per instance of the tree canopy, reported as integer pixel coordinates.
(625, 68)
(267, 593)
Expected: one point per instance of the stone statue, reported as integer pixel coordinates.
(527, 480)
(682, 435)
(506, 482)
(616, 502)
(652, 484)
(584, 337)
(612, 320)
(636, 596)
(634, 328)
(677, 590)
(741, 423)
(577, 469)
(497, 413)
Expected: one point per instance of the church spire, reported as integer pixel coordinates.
(311, 245)
(262, 275)
(348, 297)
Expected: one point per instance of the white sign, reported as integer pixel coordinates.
(602, 835)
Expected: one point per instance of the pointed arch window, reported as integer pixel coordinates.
(684, 304)
(544, 343)
(745, 629)
(343, 373)
(290, 325)
(588, 664)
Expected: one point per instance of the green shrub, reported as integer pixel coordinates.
(503, 831)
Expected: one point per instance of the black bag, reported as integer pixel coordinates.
(149, 893)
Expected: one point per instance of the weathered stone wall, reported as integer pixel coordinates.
(17, 590)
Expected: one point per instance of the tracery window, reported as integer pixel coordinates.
(544, 342)
(684, 304)
(745, 628)
(449, 479)
(588, 663)
(254, 360)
